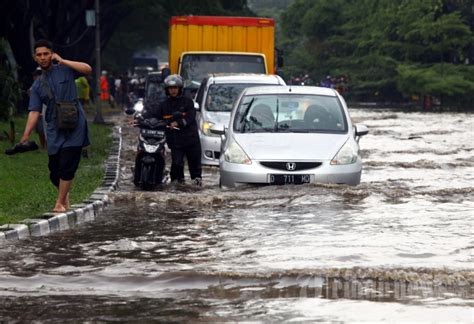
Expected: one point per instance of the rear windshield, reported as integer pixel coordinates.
(220, 97)
(290, 113)
(195, 67)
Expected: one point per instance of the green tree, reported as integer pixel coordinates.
(146, 25)
(389, 49)
(10, 90)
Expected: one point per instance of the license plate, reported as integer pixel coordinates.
(281, 179)
(152, 132)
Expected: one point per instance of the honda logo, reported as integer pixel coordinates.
(291, 166)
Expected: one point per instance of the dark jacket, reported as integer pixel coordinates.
(180, 109)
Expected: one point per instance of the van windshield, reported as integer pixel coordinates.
(221, 96)
(195, 67)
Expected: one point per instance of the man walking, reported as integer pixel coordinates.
(64, 146)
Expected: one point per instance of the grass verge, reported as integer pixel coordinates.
(25, 189)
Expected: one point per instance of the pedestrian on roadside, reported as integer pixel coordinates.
(327, 82)
(83, 90)
(182, 134)
(56, 84)
(111, 83)
(104, 87)
(83, 95)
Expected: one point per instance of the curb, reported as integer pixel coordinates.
(86, 211)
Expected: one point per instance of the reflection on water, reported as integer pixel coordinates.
(399, 246)
(236, 298)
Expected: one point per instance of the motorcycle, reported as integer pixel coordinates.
(150, 158)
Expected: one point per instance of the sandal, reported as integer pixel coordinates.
(21, 148)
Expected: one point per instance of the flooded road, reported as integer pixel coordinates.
(398, 247)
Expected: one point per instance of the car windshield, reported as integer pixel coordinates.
(221, 96)
(294, 113)
(195, 67)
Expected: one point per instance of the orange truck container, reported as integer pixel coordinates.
(199, 45)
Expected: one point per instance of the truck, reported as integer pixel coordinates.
(200, 45)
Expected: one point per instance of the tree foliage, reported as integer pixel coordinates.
(10, 91)
(126, 26)
(146, 25)
(62, 22)
(388, 48)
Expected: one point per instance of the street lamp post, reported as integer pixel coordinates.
(98, 109)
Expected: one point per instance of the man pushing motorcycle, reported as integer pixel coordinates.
(182, 134)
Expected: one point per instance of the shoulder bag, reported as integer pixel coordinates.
(67, 114)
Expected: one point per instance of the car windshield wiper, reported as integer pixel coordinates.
(262, 130)
(276, 120)
(292, 130)
(245, 114)
(299, 131)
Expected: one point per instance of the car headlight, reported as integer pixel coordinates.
(235, 154)
(347, 154)
(206, 128)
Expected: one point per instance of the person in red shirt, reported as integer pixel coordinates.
(104, 87)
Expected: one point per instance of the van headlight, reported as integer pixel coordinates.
(347, 154)
(206, 128)
(235, 154)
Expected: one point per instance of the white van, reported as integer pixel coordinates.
(214, 100)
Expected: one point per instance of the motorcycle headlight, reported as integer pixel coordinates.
(235, 154)
(150, 148)
(138, 107)
(206, 128)
(347, 154)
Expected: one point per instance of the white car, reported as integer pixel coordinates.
(290, 135)
(214, 100)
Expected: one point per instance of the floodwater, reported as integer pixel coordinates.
(398, 247)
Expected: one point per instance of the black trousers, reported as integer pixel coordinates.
(64, 164)
(193, 156)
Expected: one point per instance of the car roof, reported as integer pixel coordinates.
(245, 78)
(302, 90)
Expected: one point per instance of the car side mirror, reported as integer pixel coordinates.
(360, 130)
(217, 131)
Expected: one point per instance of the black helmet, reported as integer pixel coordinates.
(174, 80)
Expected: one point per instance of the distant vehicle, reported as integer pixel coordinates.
(199, 45)
(144, 63)
(215, 98)
(290, 135)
